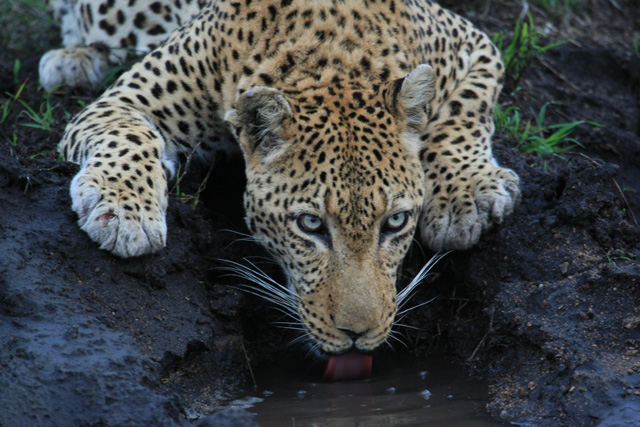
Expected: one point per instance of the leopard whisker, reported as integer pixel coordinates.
(244, 237)
(314, 348)
(404, 312)
(404, 325)
(239, 233)
(294, 326)
(277, 304)
(282, 322)
(291, 328)
(393, 335)
(265, 260)
(405, 294)
(284, 298)
(298, 339)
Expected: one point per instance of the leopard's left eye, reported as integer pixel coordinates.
(396, 222)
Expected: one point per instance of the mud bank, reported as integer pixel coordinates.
(91, 339)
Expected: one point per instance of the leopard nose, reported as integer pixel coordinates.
(352, 334)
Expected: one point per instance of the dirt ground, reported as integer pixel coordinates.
(546, 308)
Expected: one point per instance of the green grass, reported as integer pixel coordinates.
(14, 140)
(15, 109)
(523, 47)
(16, 72)
(7, 109)
(616, 255)
(112, 75)
(546, 141)
(191, 199)
(42, 118)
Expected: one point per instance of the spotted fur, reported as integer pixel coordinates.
(359, 122)
(98, 34)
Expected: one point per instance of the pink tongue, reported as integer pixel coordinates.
(349, 366)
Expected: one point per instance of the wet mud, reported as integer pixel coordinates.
(545, 310)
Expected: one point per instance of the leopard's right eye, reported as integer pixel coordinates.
(310, 223)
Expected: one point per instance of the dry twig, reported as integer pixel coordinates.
(484, 338)
(626, 202)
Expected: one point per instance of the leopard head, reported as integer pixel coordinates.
(334, 190)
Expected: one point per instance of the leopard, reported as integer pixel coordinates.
(362, 123)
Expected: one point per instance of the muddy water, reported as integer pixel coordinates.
(405, 394)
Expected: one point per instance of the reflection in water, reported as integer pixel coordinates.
(415, 394)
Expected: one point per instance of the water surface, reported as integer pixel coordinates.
(416, 393)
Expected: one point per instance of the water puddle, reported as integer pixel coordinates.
(416, 393)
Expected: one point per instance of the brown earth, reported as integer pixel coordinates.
(546, 308)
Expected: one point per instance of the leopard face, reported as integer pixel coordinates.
(334, 192)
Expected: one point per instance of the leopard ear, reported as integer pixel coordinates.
(257, 120)
(410, 97)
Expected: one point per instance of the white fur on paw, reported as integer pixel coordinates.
(451, 228)
(77, 66)
(117, 230)
(448, 232)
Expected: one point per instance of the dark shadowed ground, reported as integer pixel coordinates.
(546, 308)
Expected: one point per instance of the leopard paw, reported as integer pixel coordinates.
(457, 220)
(124, 222)
(76, 66)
